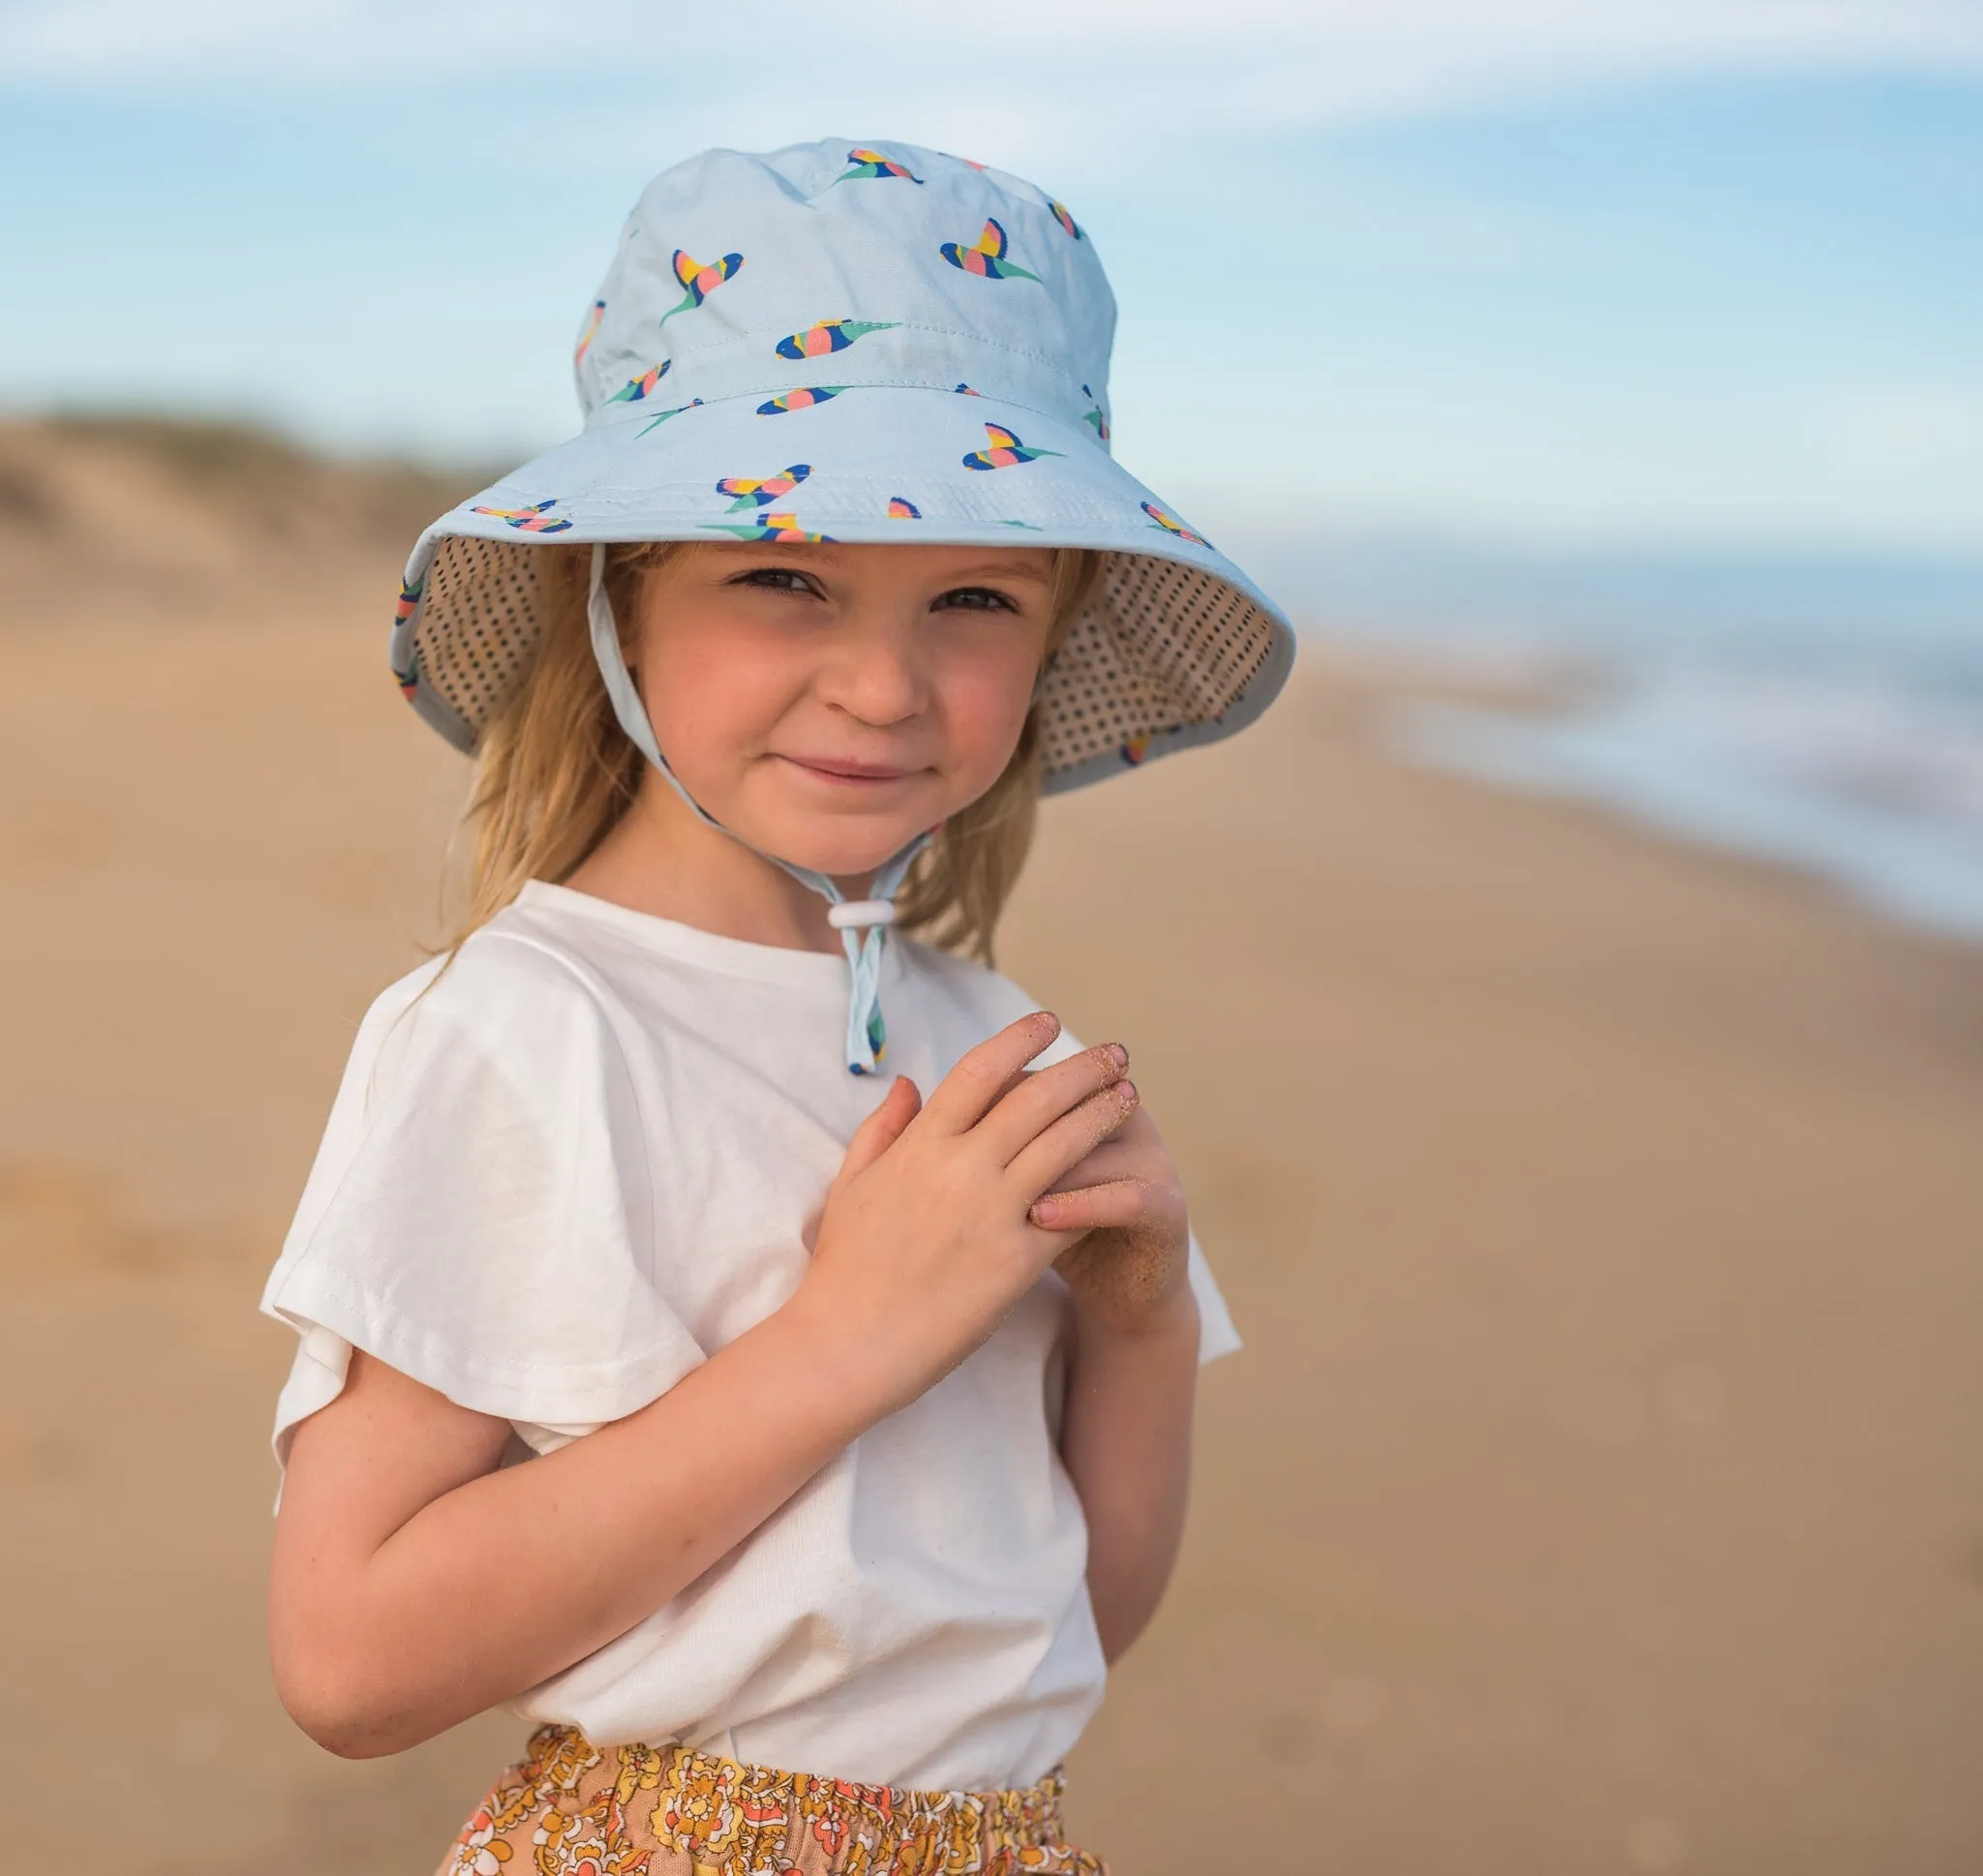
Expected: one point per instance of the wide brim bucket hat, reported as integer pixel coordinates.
(861, 342)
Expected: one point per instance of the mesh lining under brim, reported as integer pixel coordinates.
(1175, 647)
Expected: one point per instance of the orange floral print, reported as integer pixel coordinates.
(572, 1808)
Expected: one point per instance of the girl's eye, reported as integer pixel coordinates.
(776, 579)
(974, 599)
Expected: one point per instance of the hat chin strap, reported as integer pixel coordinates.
(862, 923)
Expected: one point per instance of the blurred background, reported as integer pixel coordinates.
(1567, 1007)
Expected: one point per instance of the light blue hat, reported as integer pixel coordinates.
(864, 343)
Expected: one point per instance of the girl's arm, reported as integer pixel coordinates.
(414, 1585)
(1126, 1436)
(1127, 1446)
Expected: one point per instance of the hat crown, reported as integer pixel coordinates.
(825, 266)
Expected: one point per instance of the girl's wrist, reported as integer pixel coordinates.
(849, 1359)
(1173, 1319)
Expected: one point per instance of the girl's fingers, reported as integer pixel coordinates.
(1113, 1159)
(1115, 1206)
(881, 1129)
(1071, 1138)
(1035, 1101)
(967, 1093)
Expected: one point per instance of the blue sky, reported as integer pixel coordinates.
(1546, 272)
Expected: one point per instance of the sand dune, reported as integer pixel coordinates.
(1601, 1487)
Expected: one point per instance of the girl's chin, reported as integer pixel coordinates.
(838, 859)
(845, 846)
(849, 837)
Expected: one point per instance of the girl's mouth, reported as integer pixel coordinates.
(849, 770)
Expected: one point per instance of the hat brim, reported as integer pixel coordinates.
(1177, 646)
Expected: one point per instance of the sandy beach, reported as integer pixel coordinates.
(1601, 1486)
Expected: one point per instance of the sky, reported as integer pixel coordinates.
(1567, 275)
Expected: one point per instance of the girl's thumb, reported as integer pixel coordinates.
(880, 1131)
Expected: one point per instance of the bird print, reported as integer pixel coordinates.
(761, 491)
(701, 279)
(637, 388)
(1065, 220)
(902, 509)
(1170, 525)
(592, 330)
(531, 521)
(985, 257)
(1003, 450)
(662, 417)
(829, 335)
(783, 529)
(874, 166)
(803, 398)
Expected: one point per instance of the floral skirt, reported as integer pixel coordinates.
(577, 1809)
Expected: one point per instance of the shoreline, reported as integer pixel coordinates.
(1873, 792)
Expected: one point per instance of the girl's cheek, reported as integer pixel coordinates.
(715, 699)
(987, 697)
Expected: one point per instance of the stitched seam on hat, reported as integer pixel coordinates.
(634, 496)
(899, 325)
(635, 414)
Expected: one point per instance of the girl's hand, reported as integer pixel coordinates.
(1128, 1272)
(925, 1241)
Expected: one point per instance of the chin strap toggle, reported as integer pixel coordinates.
(860, 912)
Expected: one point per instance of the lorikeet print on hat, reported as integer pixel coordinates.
(968, 325)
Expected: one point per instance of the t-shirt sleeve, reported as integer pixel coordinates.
(480, 1215)
(1216, 1335)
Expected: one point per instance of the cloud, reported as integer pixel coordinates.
(1121, 66)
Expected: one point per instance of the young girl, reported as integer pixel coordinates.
(758, 1348)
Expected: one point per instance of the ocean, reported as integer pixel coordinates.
(1818, 713)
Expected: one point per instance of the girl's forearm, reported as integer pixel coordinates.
(510, 1577)
(1127, 1441)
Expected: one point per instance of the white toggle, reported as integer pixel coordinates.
(861, 912)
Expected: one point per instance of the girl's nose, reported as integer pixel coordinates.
(877, 674)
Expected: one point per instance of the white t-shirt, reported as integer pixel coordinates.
(585, 1160)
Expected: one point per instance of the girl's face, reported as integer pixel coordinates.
(827, 703)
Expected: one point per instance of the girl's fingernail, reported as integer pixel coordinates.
(1118, 1055)
(1043, 1212)
(1127, 1090)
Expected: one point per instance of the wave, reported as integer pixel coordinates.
(1871, 780)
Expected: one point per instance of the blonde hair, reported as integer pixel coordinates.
(555, 771)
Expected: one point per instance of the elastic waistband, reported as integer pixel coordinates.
(656, 1810)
